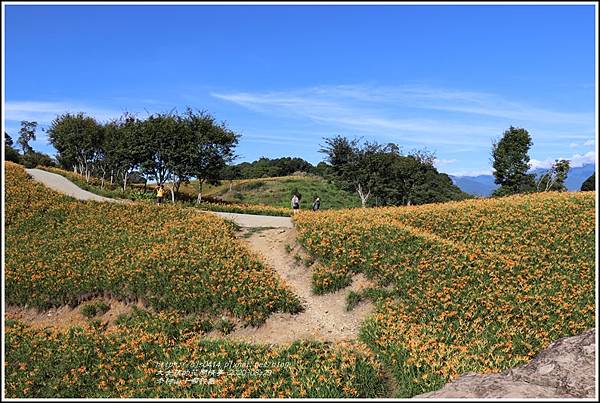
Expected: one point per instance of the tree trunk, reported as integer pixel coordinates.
(125, 181)
(551, 181)
(363, 196)
(173, 189)
(199, 200)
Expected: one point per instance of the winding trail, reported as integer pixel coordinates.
(63, 185)
(565, 370)
(257, 221)
(324, 316)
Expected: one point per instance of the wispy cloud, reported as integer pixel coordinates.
(44, 112)
(471, 172)
(417, 114)
(575, 161)
(587, 143)
(355, 118)
(443, 162)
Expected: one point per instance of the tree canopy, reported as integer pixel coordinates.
(26, 134)
(589, 184)
(554, 178)
(10, 154)
(265, 167)
(383, 174)
(164, 147)
(511, 162)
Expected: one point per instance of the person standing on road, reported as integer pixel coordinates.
(295, 203)
(160, 194)
(316, 203)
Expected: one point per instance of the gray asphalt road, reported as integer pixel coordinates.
(251, 220)
(63, 185)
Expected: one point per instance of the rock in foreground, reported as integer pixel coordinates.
(566, 369)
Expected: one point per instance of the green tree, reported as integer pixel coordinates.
(77, 138)
(554, 178)
(8, 141)
(589, 184)
(34, 158)
(323, 169)
(356, 167)
(26, 134)
(212, 147)
(125, 147)
(159, 133)
(10, 154)
(511, 162)
(382, 172)
(231, 173)
(179, 147)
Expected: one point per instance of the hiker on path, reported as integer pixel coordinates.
(295, 203)
(316, 203)
(160, 194)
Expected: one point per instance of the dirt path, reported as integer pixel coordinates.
(65, 317)
(324, 317)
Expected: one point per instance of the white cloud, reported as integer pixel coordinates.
(589, 143)
(361, 119)
(544, 164)
(472, 172)
(398, 113)
(578, 160)
(441, 162)
(44, 112)
(575, 161)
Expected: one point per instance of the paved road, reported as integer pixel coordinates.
(251, 220)
(63, 185)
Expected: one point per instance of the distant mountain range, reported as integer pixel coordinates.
(483, 185)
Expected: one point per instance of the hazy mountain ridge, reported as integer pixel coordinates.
(483, 185)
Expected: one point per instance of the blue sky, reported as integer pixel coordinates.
(448, 78)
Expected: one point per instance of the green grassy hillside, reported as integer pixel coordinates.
(277, 192)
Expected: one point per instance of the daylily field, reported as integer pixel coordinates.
(188, 267)
(470, 286)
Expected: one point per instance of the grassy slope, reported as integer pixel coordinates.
(277, 192)
(251, 196)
